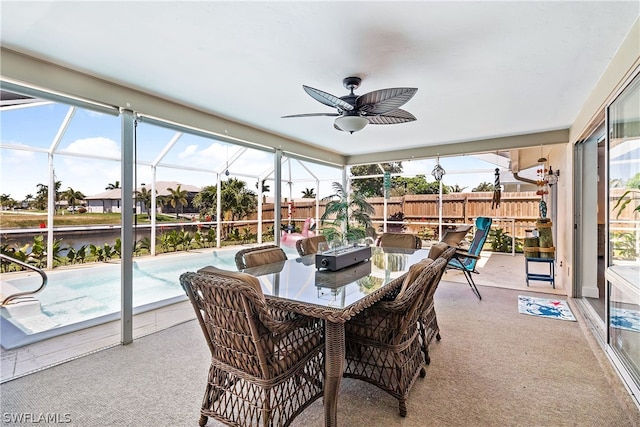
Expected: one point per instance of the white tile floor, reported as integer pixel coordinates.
(497, 270)
(41, 355)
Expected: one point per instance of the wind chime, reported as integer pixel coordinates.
(495, 202)
(543, 188)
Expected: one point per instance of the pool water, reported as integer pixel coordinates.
(74, 296)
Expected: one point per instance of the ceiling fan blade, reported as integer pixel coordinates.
(327, 99)
(311, 115)
(392, 118)
(384, 100)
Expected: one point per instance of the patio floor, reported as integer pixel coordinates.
(495, 270)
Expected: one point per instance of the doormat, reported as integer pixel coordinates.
(625, 319)
(553, 308)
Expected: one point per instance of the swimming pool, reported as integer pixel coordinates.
(78, 298)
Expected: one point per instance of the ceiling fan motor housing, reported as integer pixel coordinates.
(351, 83)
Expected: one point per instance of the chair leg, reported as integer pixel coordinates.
(402, 407)
(474, 288)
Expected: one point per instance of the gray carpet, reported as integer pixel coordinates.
(493, 367)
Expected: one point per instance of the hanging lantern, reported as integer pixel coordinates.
(438, 172)
(552, 176)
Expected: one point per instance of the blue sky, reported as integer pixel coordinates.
(95, 134)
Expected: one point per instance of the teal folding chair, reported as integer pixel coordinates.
(466, 261)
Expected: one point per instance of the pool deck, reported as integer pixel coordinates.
(496, 270)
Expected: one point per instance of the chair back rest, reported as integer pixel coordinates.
(483, 225)
(309, 245)
(230, 311)
(415, 294)
(260, 255)
(399, 240)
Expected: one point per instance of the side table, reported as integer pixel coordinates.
(539, 276)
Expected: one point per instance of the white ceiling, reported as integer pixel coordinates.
(483, 69)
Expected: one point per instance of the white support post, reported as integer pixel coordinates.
(51, 209)
(219, 211)
(440, 211)
(277, 195)
(259, 228)
(154, 210)
(127, 238)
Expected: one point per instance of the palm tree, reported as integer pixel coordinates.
(27, 200)
(236, 201)
(6, 201)
(205, 200)
(71, 196)
(483, 186)
(42, 196)
(237, 198)
(113, 186)
(345, 211)
(144, 196)
(177, 198)
(456, 188)
(308, 193)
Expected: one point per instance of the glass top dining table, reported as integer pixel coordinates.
(335, 297)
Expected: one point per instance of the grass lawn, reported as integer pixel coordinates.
(32, 219)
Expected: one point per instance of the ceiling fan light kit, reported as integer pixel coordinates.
(351, 124)
(354, 112)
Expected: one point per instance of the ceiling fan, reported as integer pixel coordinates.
(380, 107)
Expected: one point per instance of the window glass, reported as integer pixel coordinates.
(624, 228)
(624, 176)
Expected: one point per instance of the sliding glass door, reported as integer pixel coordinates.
(623, 227)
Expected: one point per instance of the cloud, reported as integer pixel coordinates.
(216, 156)
(418, 167)
(18, 158)
(21, 171)
(188, 152)
(104, 147)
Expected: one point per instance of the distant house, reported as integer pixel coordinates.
(105, 202)
(162, 189)
(110, 200)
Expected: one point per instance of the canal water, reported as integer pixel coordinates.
(77, 238)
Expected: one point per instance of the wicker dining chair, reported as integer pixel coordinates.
(383, 341)
(259, 255)
(399, 240)
(266, 368)
(429, 328)
(309, 245)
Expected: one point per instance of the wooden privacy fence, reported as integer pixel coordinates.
(517, 212)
